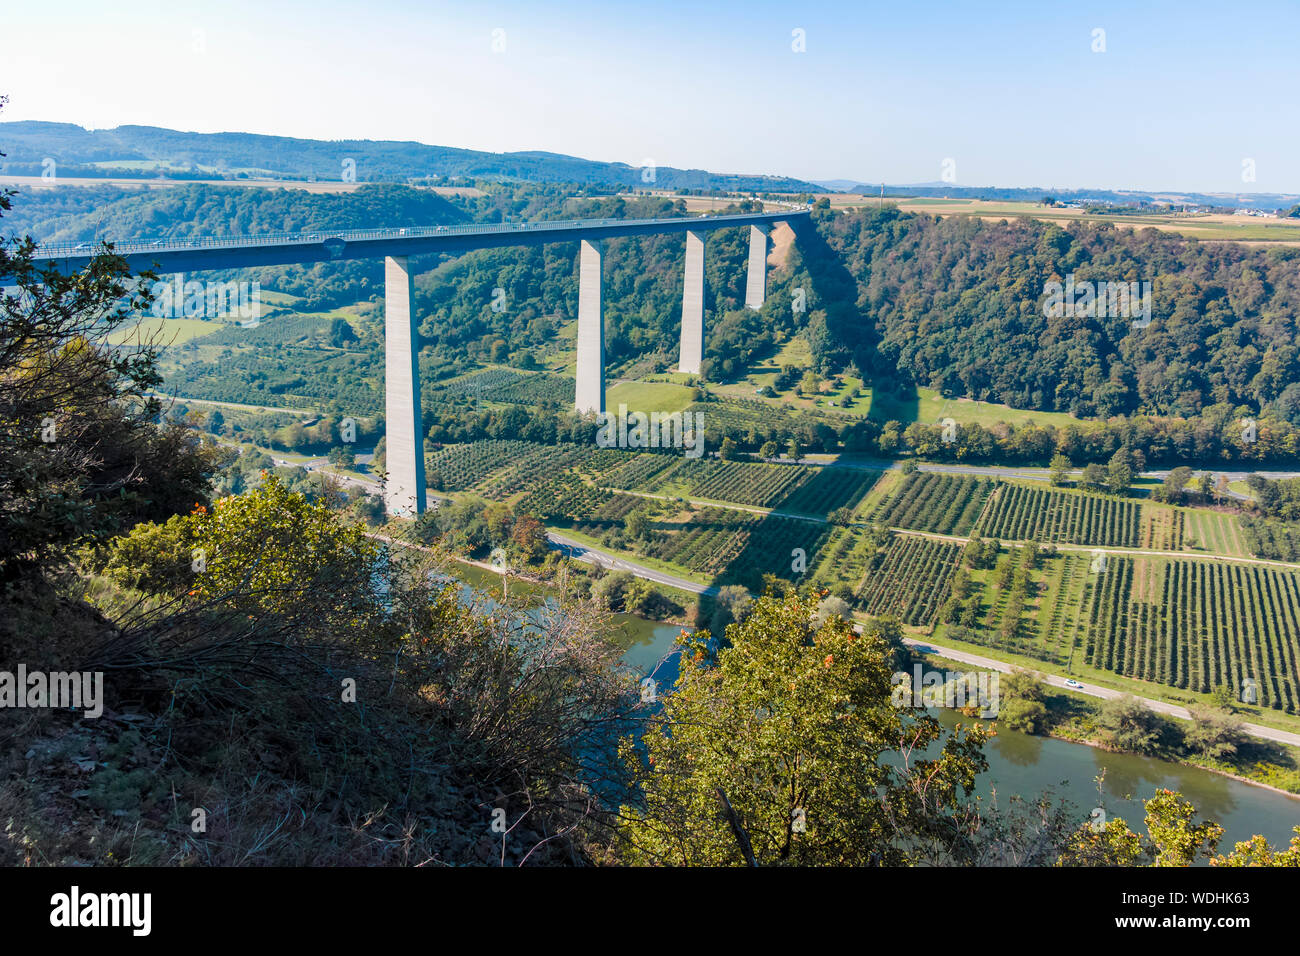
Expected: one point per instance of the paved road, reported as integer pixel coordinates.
(1172, 710)
(1027, 472)
(584, 552)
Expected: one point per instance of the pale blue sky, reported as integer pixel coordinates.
(1012, 92)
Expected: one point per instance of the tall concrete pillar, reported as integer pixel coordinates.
(404, 492)
(590, 392)
(756, 283)
(693, 305)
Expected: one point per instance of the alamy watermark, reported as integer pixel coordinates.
(69, 690)
(655, 430)
(951, 689)
(1099, 300)
(207, 300)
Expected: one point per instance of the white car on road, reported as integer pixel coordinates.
(1073, 684)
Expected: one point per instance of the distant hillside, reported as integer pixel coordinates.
(149, 150)
(1263, 201)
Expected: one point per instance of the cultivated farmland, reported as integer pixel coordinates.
(937, 503)
(1198, 625)
(1022, 513)
(909, 579)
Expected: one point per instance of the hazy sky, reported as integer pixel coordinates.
(1012, 93)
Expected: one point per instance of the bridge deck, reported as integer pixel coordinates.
(241, 252)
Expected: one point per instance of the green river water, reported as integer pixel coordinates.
(1024, 764)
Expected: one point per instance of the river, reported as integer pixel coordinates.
(1025, 764)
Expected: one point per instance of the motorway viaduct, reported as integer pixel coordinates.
(404, 491)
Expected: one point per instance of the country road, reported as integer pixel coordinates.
(584, 552)
(592, 555)
(1172, 710)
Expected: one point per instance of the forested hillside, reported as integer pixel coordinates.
(953, 303)
(82, 152)
(958, 305)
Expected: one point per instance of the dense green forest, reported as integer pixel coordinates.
(903, 300)
(957, 305)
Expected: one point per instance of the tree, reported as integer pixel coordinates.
(810, 384)
(833, 607)
(1175, 483)
(1021, 684)
(733, 603)
(1214, 734)
(1094, 476)
(342, 456)
(772, 756)
(727, 450)
(793, 450)
(769, 450)
(1172, 838)
(1178, 841)
(1026, 716)
(1118, 475)
(635, 524)
(1060, 470)
(528, 538)
(1257, 852)
(612, 590)
(263, 549)
(80, 456)
(341, 333)
(1131, 725)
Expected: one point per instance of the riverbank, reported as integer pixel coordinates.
(1071, 716)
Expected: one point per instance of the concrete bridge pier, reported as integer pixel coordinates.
(590, 391)
(404, 491)
(692, 351)
(756, 281)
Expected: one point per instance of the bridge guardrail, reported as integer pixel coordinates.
(134, 246)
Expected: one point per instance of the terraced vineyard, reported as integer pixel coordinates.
(1061, 617)
(1163, 528)
(909, 579)
(1022, 513)
(827, 489)
(479, 383)
(934, 502)
(1198, 625)
(535, 389)
(523, 473)
(644, 472)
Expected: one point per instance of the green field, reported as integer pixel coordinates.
(648, 397)
(164, 331)
(855, 398)
(1215, 533)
